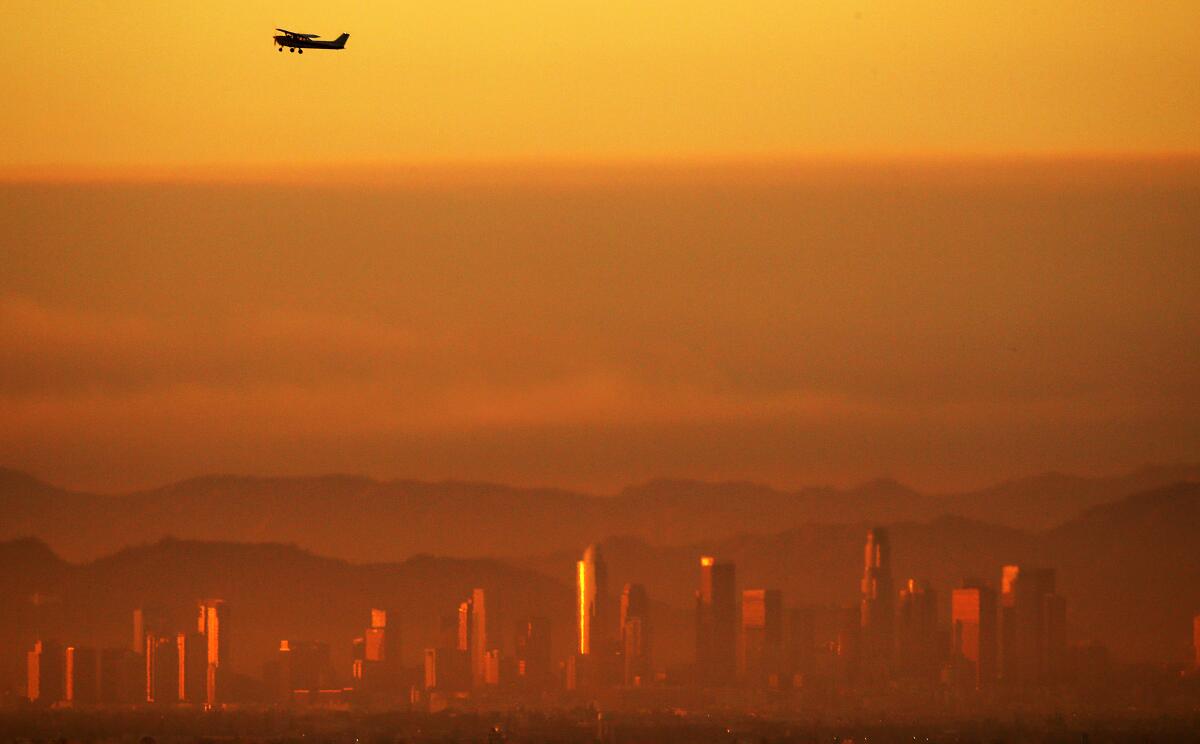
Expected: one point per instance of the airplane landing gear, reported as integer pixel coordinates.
(292, 49)
(300, 51)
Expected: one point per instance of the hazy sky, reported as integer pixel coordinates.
(889, 290)
(129, 81)
(943, 324)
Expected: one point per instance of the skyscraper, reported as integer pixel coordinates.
(716, 623)
(878, 613)
(162, 669)
(760, 662)
(122, 676)
(193, 666)
(213, 623)
(45, 672)
(82, 676)
(479, 647)
(533, 653)
(918, 643)
(1032, 620)
(635, 640)
(973, 620)
(591, 590)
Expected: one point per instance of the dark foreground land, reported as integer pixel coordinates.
(564, 727)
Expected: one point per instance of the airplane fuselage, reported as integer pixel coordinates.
(300, 43)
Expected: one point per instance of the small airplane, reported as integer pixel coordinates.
(299, 42)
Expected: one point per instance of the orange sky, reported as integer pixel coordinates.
(945, 324)
(135, 82)
(887, 283)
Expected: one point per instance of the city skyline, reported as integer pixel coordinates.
(1029, 657)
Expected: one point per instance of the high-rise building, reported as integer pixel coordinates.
(973, 619)
(591, 594)
(213, 624)
(146, 620)
(301, 666)
(918, 637)
(801, 644)
(1032, 626)
(122, 676)
(192, 650)
(45, 672)
(760, 663)
(878, 608)
(377, 654)
(716, 623)
(82, 676)
(478, 638)
(635, 639)
(533, 653)
(162, 669)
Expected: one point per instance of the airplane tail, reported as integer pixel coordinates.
(341, 41)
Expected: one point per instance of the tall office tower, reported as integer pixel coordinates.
(377, 653)
(801, 644)
(878, 613)
(1196, 638)
(479, 647)
(636, 635)
(761, 657)
(491, 667)
(192, 650)
(533, 653)
(82, 676)
(380, 641)
(464, 627)
(1032, 616)
(213, 623)
(122, 676)
(716, 623)
(974, 649)
(301, 666)
(918, 639)
(146, 620)
(45, 672)
(162, 669)
(591, 595)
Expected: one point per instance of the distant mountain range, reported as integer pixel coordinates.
(360, 519)
(1129, 570)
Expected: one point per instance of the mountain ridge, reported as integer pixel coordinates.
(363, 519)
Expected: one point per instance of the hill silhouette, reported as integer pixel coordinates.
(360, 519)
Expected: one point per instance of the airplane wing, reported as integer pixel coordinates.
(298, 36)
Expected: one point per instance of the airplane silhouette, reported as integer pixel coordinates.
(299, 42)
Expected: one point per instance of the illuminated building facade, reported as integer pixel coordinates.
(591, 595)
(878, 607)
(213, 624)
(973, 617)
(82, 676)
(760, 661)
(45, 672)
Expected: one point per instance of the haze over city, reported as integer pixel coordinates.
(630, 371)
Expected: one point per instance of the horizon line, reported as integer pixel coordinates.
(605, 494)
(400, 170)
